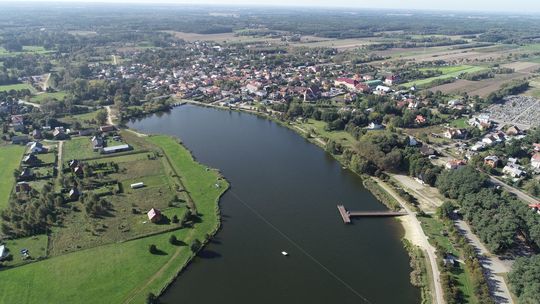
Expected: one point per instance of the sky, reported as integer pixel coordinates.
(457, 5)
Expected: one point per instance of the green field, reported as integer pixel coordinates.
(122, 272)
(459, 123)
(39, 98)
(78, 148)
(25, 50)
(448, 72)
(16, 87)
(36, 245)
(10, 157)
(433, 229)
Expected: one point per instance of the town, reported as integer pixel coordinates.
(442, 128)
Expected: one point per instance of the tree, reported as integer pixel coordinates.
(153, 249)
(173, 240)
(152, 299)
(195, 246)
(525, 279)
(102, 116)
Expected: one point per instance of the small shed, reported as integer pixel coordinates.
(137, 185)
(3, 252)
(154, 215)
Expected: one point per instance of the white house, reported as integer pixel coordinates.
(513, 170)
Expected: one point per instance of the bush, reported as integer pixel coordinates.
(173, 240)
(175, 219)
(153, 249)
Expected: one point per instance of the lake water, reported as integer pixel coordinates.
(283, 198)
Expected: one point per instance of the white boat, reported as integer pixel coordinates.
(284, 253)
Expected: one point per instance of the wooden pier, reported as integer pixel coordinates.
(346, 215)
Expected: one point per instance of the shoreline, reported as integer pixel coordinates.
(412, 232)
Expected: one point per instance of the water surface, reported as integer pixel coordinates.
(283, 197)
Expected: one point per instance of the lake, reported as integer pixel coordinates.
(283, 197)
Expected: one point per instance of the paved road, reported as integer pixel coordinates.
(424, 243)
(492, 265)
(520, 194)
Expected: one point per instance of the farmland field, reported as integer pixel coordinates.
(10, 157)
(448, 72)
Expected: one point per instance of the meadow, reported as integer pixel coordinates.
(10, 157)
(131, 272)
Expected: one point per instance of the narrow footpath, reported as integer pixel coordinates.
(416, 235)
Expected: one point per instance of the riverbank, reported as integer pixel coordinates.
(125, 272)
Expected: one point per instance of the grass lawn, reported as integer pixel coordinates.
(39, 98)
(10, 158)
(36, 245)
(448, 72)
(317, 127)
(78, 148)
(121, 272)
(16, 87)
(459, 123)
(48, 158)
(86, 120)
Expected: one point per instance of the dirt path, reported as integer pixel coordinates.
(37, 105)
(415, 234)
(109, 116)
(320, 141)
(493, 266)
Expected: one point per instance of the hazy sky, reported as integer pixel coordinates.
(460, 5)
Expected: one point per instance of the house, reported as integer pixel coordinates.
(37, 147)
(491, 161)
(382, 89)
(17, 122)
(420, 119)
(36, 134)
(536, 147)
(107, 128)
(413, 142)
(22, 187)
(59, 133)
(481, 121)
(78, 170)
(26, 174)
(535, 160)
(349, 83)
(97, 143)
(479, 146)
(154, 215)
(74, 194)
(455, 164)
(115, 149)
(427, 151)
(4, 253)
(30, 160)
(391, 80)
(374, 126)
(452, 133)
(73, 163)
(513, 170)
(20, 140)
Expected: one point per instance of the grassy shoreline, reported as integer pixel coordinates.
(130, 271)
